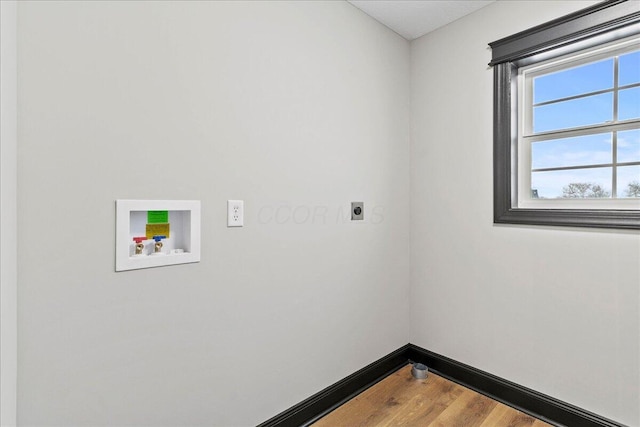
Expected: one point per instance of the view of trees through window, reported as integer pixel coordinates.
(585, 128)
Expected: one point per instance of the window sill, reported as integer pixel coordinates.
(620, 219)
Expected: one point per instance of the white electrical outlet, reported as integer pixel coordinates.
(235, 213)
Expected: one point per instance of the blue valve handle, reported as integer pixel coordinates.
(159, 238)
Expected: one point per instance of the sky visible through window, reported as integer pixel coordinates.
(584, 96)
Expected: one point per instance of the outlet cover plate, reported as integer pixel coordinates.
(357, 211)
(235, 213)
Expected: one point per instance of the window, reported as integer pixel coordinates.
(567, 121)
(579, 132)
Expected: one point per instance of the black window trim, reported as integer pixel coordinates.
(604, 22)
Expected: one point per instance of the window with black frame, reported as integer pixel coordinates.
(567, 120)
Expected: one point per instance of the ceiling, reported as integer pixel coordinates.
(414, 18)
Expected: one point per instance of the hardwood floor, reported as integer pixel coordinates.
(401, 400)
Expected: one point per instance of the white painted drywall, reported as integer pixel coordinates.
(8, 213)
(553, 309)
(294, 107)
(412, 19)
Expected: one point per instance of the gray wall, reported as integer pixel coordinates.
(291, 106)
(298, 108)
(553, 309)
(8, 213)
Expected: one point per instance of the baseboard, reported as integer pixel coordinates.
(547, 408)
(323, 402)
(539, 405)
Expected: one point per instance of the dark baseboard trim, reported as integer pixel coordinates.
(321, 403)
(539, 405)
(547, 408)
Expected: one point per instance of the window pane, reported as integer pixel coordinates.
(575, 183)
(629, 104)
(629, 146)
(629, 181)
(590, 110)
(629, 69)
(576, 151)
(575, 81)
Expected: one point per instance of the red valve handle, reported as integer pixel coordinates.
(139, 239)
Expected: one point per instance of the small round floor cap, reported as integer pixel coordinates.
(419, 371)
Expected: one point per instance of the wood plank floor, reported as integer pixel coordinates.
(401, 400)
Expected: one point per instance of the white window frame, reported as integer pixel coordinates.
(526, 136)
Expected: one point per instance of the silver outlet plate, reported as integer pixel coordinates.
(357, 211)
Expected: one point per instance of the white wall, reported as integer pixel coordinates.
(553, 309)
(295, 107)
(282, 104)
(8, 213)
